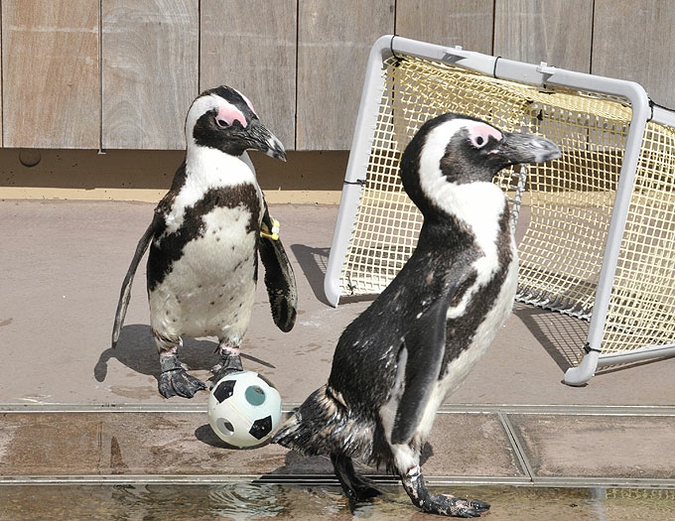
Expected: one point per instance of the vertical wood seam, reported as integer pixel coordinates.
(199, 48)
(100, 76)
(297, 74)
(494, 26)
(2, 82)
(590, 53)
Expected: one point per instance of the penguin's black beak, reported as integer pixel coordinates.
(518, 148)
(260, 138)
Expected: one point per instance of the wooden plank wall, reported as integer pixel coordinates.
(332, 53)
(150, 71)
(50, 74)
(252, 47)
(120, 74)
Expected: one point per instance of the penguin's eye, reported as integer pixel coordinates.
(227, 115)
(478, 140)
(480, 134)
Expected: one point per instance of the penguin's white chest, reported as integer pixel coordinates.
(459, 368)
(486, 331)
(484, 221)
(210, 289)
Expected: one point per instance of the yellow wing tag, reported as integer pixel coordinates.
(273, 233)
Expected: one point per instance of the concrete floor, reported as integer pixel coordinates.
(62, 386)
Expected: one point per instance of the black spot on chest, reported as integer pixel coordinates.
(170, 247)
(461, 330)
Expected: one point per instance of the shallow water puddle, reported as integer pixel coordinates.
(262, 501)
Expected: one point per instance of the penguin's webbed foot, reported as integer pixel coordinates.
(174, 379)
(439, 504)
(355, 486)
(230, 361)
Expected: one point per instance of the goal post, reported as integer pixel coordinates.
(600, 237)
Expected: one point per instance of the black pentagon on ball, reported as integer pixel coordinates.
(261, 428)
(224, 390)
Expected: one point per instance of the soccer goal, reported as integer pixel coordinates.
(600, 240)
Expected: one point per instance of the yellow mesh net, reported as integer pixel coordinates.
(570, 200)
(642, 304)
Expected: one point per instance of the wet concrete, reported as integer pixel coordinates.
(117, 444)
(502, 446)
(598, 446)
(243, 501)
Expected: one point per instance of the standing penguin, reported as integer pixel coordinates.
(206, 234)
(396, 362)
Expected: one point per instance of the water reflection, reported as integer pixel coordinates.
(240, 501)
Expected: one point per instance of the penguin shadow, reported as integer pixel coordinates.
(206, 435)
(295, 464)
(314, 264)
(560, 335)
(136, 350)
(563, 338)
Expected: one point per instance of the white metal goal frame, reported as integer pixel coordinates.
(600, 240)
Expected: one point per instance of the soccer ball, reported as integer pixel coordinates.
(244, 409)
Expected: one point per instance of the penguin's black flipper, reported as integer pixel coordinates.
(422, 353)
(279, 276)
(125, 292)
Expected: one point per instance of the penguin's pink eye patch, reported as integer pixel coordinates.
(228, 114)
(480, 134)
(248, 102)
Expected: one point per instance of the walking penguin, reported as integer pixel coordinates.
(396, 362)
(205, 237)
